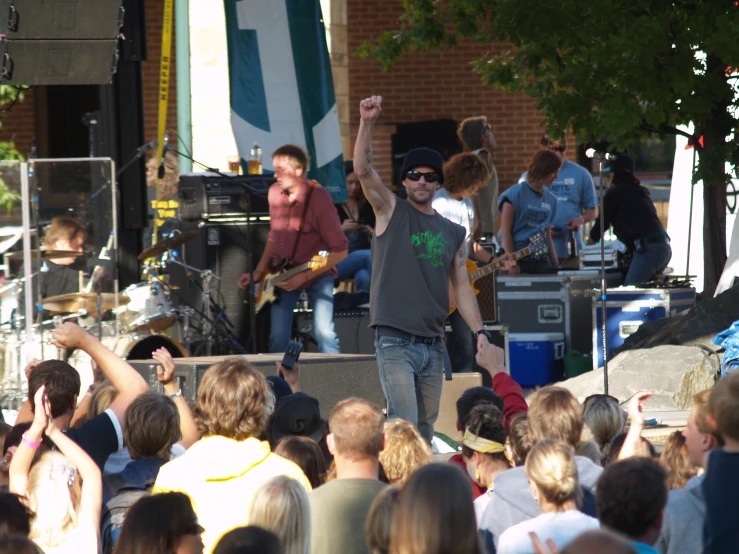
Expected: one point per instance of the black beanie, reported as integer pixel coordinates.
(423, 156)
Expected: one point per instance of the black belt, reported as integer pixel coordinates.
(383, 331)
(656, 240)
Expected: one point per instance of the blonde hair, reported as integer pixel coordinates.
(605, 419)
(551, 467)
(380, 519)
(405, 451)
(723, 405)
(281, 505)
(53, 497)
(102, 397)
(234, 401)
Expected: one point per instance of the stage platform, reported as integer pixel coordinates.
(327, 377)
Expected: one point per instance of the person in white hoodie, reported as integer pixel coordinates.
(554, 413)
(682, 527)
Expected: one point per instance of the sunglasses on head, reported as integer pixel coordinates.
(430, 177)
(559, 149)
(594, 397)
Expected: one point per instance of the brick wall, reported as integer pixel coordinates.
(19, 124)
(437, 85)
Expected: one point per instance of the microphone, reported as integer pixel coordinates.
(593, 153)
(141, 150)
(160, 172)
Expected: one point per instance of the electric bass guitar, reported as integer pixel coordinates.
(537, 245)
(264, 290)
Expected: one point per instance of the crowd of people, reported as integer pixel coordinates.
(254, 468)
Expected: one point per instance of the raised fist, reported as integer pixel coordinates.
(370, 108)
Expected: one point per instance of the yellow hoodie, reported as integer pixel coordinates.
(221, 476)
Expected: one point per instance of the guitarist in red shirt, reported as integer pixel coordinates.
(303, 222)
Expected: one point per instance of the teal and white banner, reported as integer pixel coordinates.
(281, 87)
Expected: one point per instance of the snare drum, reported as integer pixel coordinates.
(149, 311)
(129, 347)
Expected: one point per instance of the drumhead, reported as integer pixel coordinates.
(143, 348)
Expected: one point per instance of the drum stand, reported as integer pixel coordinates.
(205, 276)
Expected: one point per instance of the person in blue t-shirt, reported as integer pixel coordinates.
(528, 208)
(575, 192)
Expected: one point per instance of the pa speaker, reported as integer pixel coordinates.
(59, 42)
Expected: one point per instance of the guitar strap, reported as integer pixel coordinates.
(311, 185)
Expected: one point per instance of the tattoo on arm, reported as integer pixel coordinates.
(368, 155)
(461, 257)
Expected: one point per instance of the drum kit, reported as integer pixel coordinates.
(131, 323)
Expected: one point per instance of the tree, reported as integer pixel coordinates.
(616, 71)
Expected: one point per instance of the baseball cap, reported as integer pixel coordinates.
(622, 164)
(423, 156)
(298, 415)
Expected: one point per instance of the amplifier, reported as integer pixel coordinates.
(210, 196)
(352, 328)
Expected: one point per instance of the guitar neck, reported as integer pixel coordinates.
(491, 267)
(291, 273)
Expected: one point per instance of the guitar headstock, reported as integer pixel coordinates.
(318, 261)
(538, 244)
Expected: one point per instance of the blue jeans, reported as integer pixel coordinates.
(411, 374)
(321, 301)
(464, 345)
(357, 264)
(644, 266)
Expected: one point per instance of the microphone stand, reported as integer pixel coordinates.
(603, 303)
(247, 189)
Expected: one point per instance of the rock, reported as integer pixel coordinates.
(673, 373)
(696, 326)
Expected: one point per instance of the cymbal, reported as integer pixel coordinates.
(69, 303)
(163, 245)
(46, 254)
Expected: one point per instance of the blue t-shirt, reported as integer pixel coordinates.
(534, 212)
(575, 192)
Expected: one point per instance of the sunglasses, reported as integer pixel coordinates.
(559, 149)
(430, 177)
(594, 397)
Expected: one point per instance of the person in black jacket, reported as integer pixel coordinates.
(628, 207)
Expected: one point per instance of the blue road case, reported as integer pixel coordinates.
(628, 307)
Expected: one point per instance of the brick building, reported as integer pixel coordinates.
(423, 87)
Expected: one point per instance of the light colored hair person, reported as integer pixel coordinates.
(405, 451)
(552, 473)
(281, 505)
(605, 419)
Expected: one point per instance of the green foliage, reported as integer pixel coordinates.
(620, 71)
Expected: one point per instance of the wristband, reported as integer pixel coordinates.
(30, 443)
(176, 394)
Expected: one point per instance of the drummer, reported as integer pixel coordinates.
(62, 277)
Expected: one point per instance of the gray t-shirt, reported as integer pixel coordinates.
(411, 261)
(338, 515)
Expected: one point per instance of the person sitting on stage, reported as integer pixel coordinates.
(229, 462)
(528, 208)
(62, 277)
(102, 435)
(303, 222)
(358, 223)
(629, 209)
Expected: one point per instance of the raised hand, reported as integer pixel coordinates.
(370, 108)
(69, 336)
(165, 372)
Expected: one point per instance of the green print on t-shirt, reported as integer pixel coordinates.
(434, 244)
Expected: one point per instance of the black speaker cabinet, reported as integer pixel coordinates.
(352, 328)
(223, 248)
(59, 42)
